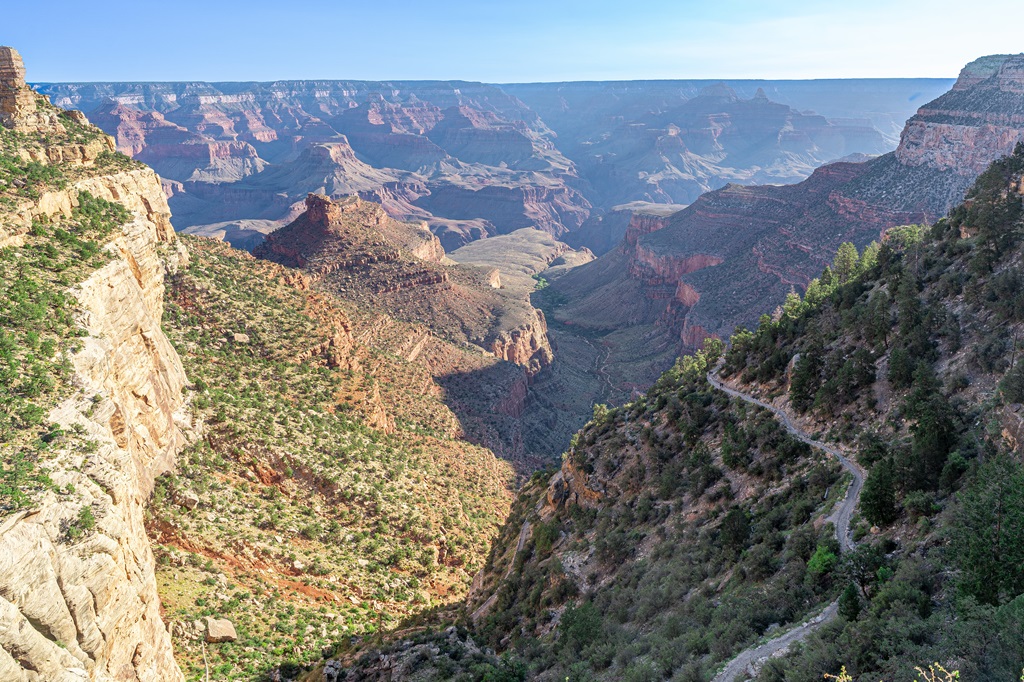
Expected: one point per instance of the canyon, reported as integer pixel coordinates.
(439, 284)
(710, 267)
(475, 160)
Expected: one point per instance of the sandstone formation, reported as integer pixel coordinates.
(473, 160)
(87, 608)
(356, 250)
(19, 110)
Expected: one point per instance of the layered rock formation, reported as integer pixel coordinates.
(355, 249)
(88, 609)
(471, 143)
(473, 160)
(977, 121)
(18, 104)
(712, 265)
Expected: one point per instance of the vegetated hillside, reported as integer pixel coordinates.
(911, 357)
(470, 323)
(679, 529)
(684, 526)
(331, 493)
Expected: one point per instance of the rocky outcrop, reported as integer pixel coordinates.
(528, 345)
(21, 109)
(354, 249)
(88, 609)
(979, 120)
(138, 190)
(84, 605)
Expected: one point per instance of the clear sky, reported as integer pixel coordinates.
(503, 41)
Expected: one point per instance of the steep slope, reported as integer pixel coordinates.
(333, 493)
(678, 529)
(711, 266)
(912, 362)
(90, 396)
(477, 333)
(685, 528)
(307, 480)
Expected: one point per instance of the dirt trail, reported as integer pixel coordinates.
(485, 608)
(749, 661)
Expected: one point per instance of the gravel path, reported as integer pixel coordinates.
(748, 661)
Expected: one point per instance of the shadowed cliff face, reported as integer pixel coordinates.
(473, 160)
(713, 265)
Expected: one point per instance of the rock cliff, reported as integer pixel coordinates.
(980, 119)
(715, 262)
(84, 606)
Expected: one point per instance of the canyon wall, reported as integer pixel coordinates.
(86, 607)
(717, 261)
(471, 159)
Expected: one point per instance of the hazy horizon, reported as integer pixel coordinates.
(529, 42)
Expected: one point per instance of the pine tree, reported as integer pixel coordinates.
(988, 528)
(869, 258)
(845, 263)
(827, 279)
(806, 378)
(878, 500)
(849, 603)
(792, 306)
(815, 293)
(1013, 384)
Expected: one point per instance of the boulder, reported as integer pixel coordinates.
(220, 630)
(189, 500)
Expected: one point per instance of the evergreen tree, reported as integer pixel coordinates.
(792, 306)
(827, 279)
(815, 293)
(1013, 384)
(849, 603)
(988, 528)
(879, 319)
(845, 263)
(735, 531)
(878, 499)
(806, 378)
(934, 433)
(869, 258)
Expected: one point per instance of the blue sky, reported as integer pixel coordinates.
(500, 41)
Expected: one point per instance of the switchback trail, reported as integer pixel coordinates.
(748, 660)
